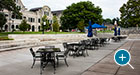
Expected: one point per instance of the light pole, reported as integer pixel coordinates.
(10, 24)
(44, 23)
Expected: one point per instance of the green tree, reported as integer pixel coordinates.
(3, 20)
(81, 26)
(44, 19)
(117, 20)
(83, 10)
(130, 13)
(55, 24)
(10, 6)
(107, 21)
(24, 26)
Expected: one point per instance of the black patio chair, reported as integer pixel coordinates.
(65, 45)
(35, 56)
(107, 40)
(102, 41)
(62, 56)
(82, 51)
(95, 43)
(87, 44)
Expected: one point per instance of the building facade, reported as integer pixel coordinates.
(58, 14)
(32, 16)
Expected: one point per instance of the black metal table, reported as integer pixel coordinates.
(48, 55)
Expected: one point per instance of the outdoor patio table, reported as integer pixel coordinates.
(47, 57)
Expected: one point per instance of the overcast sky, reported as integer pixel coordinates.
(110, 8)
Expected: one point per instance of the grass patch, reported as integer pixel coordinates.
(4, 38)
(106, 31)
(6, 33)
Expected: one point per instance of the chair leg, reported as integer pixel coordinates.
(87, 53)
(83, 53)
(66, 62)
(33, 63)
(57, 61)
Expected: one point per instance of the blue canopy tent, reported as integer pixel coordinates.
(97, 26)
(103, 26)
(90, 34)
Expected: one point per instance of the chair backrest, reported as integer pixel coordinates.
(82, 47)
(66, 52)
(108, 39)
(65, 46)
(32, 52)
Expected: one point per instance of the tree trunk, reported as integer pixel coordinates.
(0, 29)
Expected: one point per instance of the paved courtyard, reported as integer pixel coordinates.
(107, 66)
(99, 62)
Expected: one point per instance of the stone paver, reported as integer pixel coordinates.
(107, 66)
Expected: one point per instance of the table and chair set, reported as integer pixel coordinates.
(51, 54)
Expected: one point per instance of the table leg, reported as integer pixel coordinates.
(41, 66)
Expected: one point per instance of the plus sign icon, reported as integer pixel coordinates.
(122, 57)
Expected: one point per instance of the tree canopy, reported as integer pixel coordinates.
(10, 6)
(55, 24)
(80, 25)
(24, 26)
(44, 19)
(130, 13)
(2, 20)
(76, 12)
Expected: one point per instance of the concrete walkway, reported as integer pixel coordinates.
(107, 66)
(18, 62)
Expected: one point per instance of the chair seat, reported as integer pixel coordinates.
(60, 55)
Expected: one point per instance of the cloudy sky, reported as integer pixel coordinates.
(110, 8)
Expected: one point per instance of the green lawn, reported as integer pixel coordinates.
(106, 31)
(6, 33)
(4, 38)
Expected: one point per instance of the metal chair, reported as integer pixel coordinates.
(82, 51)
(65, 45)
(35, 56)
(62, 56)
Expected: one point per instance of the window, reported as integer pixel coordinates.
(31, 19)
(6, 15)
(19, 7)
(39, 20)
(16, 26)
(24, 17)
(46, 13)
(13, 16)
(16, 1)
